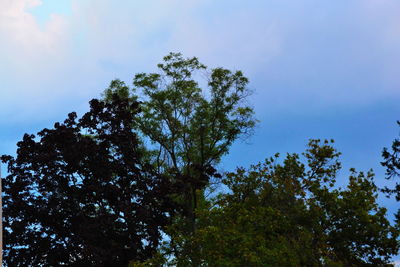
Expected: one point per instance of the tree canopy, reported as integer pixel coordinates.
(81, 194)
(125, 185)
(291, 214)
(189, 122)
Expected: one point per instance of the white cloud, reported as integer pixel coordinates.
(21, 35)
(30, 56)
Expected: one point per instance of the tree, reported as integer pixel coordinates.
(82, 194)
(189, 122)
(392, 164)
(291, 214)
(187, 127)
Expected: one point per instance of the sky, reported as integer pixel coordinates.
(318, 68)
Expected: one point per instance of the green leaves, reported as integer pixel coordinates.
(189, 125)
(291, 214)
(190, 117)
(104, 189)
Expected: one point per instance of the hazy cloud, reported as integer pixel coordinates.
(310, 54)
(23, 41)
(30, 55)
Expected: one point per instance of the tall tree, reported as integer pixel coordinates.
(82, 194)
(291, 214)
(190, 122)
(189, 125)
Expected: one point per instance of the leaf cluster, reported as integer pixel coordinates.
(391, 161)
(291, 214)
(189, 120)
(82, 194)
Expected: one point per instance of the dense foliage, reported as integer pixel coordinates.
(82, 195)
(125, 185)
(291, 214)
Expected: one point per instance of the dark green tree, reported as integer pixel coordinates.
(391, 161)
(82, 194)
(291, 214)
(189, 122)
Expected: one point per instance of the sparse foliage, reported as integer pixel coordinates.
(191, 123)
(391, 162)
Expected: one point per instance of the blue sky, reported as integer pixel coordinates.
(319, 68)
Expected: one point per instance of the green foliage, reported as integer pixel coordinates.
(290, 214)
(103, 190)
(189, 123)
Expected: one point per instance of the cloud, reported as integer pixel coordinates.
(333, 55)
(142, 32)
(239, 37)
(312, 54)
(30, 54)
(21, 36)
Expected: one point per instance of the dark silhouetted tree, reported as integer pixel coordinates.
(82, 194)
(391, 162)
